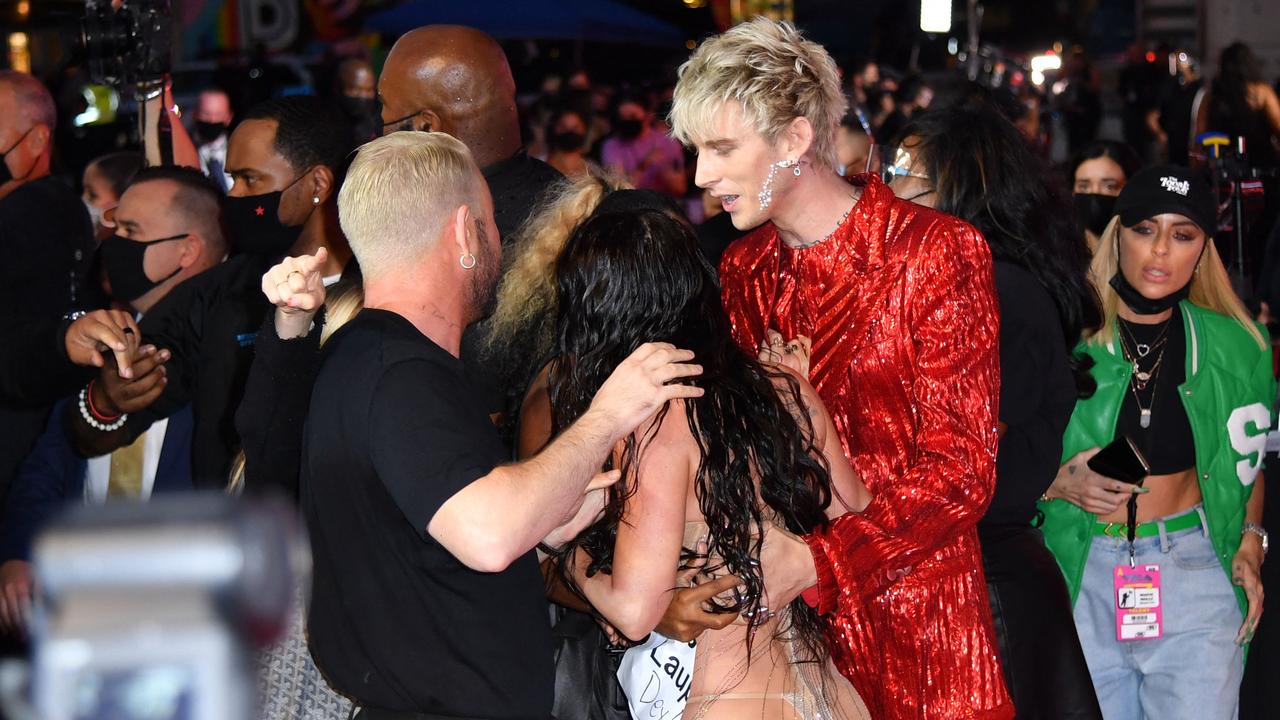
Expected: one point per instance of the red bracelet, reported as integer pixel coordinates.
(100, 416)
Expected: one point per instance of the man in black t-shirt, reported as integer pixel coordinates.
(47, 241)
(427, 597)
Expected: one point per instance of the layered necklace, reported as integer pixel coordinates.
(1147, 360)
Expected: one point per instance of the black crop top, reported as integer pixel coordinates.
(1167, 442)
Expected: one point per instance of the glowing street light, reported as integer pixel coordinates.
(935, 16)
(1042, 63)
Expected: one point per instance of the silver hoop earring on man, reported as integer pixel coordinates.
(766, 191)
(467, 261)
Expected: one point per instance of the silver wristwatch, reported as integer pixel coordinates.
(1258, 530)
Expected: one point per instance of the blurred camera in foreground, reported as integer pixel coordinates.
(152, 611)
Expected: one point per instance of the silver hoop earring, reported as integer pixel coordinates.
(467, 261)
(765, 195)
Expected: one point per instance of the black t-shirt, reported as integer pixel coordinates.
(1037, 395)
(395, 429)
(48, 246)
(1166, 442)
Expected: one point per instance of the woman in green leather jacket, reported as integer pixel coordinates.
(1185, 374)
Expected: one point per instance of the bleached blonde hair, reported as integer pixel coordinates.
(774, 73)
(1210, 285)
(400, 192)
(344, 303)
(527, 293)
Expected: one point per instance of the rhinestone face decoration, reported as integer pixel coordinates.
(765, 196)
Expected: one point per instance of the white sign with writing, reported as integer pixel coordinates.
(656, 676)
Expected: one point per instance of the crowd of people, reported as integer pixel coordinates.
(566, 383)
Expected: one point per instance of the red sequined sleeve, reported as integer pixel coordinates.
(952, 317)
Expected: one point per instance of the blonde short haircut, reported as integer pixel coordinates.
(400, 192)
(774, 73)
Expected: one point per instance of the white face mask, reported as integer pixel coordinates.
(95, 214)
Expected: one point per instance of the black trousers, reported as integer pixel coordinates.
(1044, 667)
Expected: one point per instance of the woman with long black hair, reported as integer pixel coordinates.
(970, 161)
(757, 448)
(1098, 174)
(1241, 104)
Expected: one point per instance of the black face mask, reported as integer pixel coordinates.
(123, 260)
(358, 107)
(630, 128)
(1141, 304)
(1095, 211)
(568, 141)
(255, 227)
(207, 132)
(5, 174)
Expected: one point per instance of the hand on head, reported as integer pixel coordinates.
(643, 383)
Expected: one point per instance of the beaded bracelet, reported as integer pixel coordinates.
(90, 417)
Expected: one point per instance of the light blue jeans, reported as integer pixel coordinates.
(1193, 671)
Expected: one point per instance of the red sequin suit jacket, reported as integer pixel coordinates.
(901, 306)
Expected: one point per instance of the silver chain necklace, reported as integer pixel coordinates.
(834, 230)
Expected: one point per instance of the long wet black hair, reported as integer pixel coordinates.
(985, 173)
(628, 278)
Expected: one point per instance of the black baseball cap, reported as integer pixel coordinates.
(1163, 189)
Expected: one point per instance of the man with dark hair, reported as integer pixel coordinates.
(167, 231)
(48, 245)
(287, 158)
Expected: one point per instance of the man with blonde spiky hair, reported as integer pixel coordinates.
(900, 304)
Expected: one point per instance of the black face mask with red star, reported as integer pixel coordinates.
(254, 227)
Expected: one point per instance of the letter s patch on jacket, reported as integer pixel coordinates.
(1247, 444)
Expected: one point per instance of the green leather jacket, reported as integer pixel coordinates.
(1228, 395)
